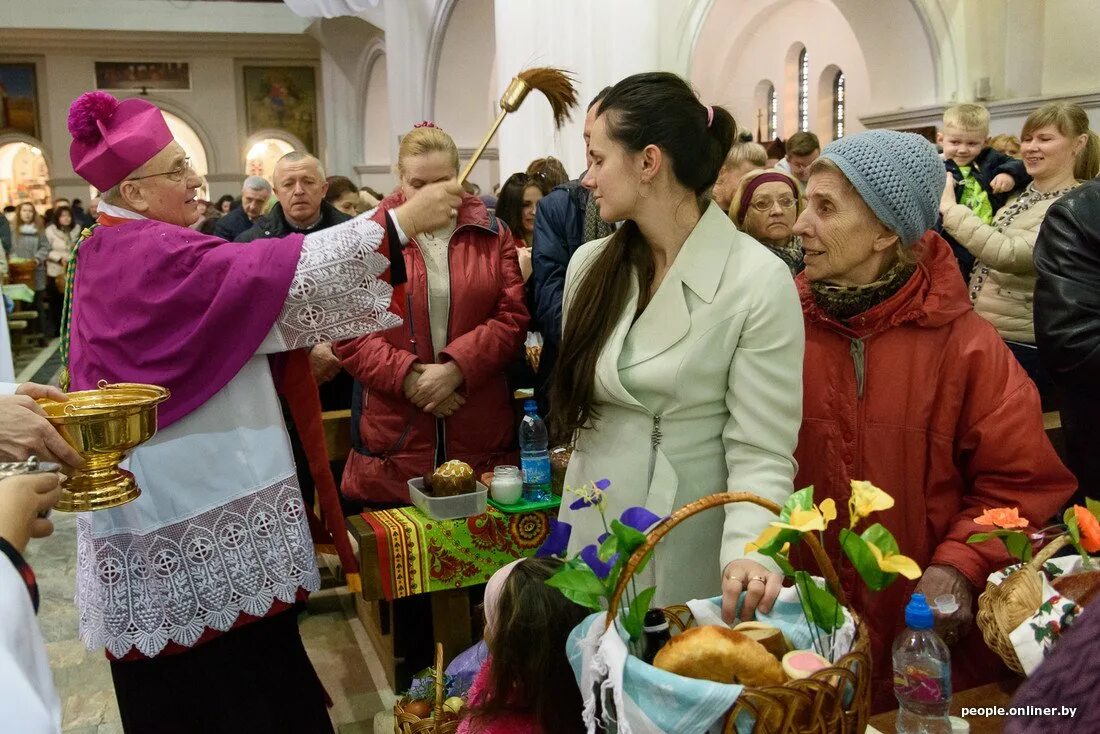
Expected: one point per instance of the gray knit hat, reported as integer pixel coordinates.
(899, 175)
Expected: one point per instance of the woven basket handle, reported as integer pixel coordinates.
(437, 716)
(706, 503)
(1036, 563)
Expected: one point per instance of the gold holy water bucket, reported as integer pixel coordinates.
(103, 426)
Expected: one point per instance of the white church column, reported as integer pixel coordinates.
(408, 32)
(600, 42)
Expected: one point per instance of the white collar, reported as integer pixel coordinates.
(117, 211)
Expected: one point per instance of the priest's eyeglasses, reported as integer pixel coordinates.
(176, 174)
(763, 205)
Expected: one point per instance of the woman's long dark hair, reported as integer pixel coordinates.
(57, 218)
(530, 671)
(645, 109)
(509, 207)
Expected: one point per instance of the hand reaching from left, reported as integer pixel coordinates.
(323, 362)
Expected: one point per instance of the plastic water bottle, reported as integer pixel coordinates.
(534, 454)
(922, 674)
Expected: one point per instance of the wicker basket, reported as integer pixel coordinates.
(814, 704)
(1003, 607)
(406, 723)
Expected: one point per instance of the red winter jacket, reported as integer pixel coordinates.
(943, 419)
(392, 440)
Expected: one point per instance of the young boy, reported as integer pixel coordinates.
(984, 178)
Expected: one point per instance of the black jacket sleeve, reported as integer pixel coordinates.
(1067, 292)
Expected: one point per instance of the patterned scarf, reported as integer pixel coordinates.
(790, 253)
(842, 302)
(1005, 217)
(594, 227)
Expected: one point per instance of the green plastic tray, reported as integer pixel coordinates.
(525, 506)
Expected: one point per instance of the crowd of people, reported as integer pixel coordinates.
(714, 317)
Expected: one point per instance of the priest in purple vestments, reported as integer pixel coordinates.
(193, 587)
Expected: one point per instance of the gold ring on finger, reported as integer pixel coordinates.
(761, 579)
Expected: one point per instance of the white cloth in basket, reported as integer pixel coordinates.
(1037, 634)
(625, 695)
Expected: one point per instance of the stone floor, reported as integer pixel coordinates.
(333, 636)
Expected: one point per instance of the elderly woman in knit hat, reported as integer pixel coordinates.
(908, 388)
(765, 207)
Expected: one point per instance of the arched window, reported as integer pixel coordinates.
(263, 154)
(803, 91)
(24, 175)
(839, 107)
(773, 113)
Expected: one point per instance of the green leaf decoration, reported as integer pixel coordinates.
(629, 538)
(803, 499)
(608, 547)
(784, 564)
(1070, 519)
(881, 538)
(863, 561)
(1093, 506)
(580, 586)
(1018, 545)
(634, 617)
(818, 604)
(981, 537)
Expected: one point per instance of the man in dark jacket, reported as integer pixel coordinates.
(565, 219)
(1067, 325)
(254, 195)
(300, 186)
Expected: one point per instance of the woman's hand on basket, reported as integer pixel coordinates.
(760, 585)
(940, 580)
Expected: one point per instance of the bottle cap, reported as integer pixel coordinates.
(918, 615)
(655, 620)
(946, 604)
(530, 406)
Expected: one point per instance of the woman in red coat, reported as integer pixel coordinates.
(908, 388)
(434, 388)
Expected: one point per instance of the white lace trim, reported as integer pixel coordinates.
(336, 292)
(170, 584)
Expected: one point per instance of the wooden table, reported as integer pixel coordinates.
(994, 694)
(451, 617)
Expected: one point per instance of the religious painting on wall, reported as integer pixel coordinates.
(18, 100)
(143, 75)
(282, 98)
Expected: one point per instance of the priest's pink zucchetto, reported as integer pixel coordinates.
(112, 139)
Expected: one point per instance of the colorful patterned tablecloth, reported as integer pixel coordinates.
(417, 554)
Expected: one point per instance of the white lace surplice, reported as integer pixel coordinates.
(220, 528)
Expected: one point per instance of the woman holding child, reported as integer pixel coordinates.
(1059, 151)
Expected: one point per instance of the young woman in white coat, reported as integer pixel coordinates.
(680, 372)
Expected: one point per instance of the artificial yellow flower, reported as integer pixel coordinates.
(767, 536)
(815, 518)
(866, 498)
(895, 563)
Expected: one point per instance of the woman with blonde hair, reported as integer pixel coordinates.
(765, 207)
(1005, 143)
(742, 158)
(434, 389)
(1059, 151)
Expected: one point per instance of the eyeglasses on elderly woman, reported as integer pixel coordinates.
(765, 203)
